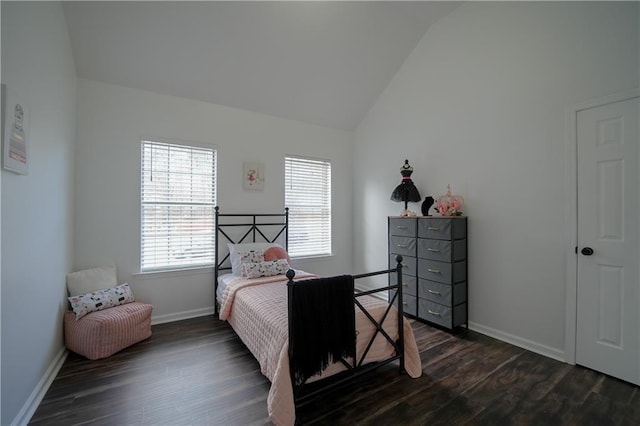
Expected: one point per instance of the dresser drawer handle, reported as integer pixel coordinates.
(404, 265)
(434, 292)
(433, 313)
(402, 245)
(433, 250)
(405, 285)
(435, 271)
(433, 228)
(401, 227)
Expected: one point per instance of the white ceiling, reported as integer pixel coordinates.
(320, 62)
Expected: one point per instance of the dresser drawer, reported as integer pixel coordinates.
(409, 304)
(442, 272)
(442, 250)
(403, 227)
(445, 316)
(405, 246)
(409, 284)
(449, 295)
(409, 265)
(442, 228)
(434, 267)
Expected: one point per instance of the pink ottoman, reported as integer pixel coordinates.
(103, 333)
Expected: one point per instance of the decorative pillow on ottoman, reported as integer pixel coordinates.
(101, 299)
(92, 330)
(90, 280)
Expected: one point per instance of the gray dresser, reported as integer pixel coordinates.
(434, 250)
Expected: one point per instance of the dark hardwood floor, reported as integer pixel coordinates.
(197, 372)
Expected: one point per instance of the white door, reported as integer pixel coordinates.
(608, 303)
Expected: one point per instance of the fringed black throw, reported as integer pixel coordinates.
(323, 324)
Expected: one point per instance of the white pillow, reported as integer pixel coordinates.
(236, 260)
(90, 280)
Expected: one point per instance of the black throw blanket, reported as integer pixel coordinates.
(323, 324)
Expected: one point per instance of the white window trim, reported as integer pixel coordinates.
(181, 269)
(169, 273)
(292, 210)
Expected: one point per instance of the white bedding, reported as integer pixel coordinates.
(223, 281)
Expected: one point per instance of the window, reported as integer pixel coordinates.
(178, 194)
(308, 196)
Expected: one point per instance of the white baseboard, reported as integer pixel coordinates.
(519, 341)
(177, 316)
(34, 400)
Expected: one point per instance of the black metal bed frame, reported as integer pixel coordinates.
(252, 231)
(305, 392)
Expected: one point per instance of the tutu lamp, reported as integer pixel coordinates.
(407, 190)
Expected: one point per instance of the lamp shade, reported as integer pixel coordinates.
(406, 191)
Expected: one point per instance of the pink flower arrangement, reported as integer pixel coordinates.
(450, 205)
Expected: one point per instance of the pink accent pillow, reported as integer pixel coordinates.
(275, 253)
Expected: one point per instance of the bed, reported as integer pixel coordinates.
(272, 311)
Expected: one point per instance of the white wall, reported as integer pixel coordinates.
(1, 129)
(37, 210)
(112, 120)
(480, 104)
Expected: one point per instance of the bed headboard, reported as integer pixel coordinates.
(237, 228)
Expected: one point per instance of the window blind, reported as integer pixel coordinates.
(308, 196)
(178, 195)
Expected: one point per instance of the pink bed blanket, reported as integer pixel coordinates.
(257, 311)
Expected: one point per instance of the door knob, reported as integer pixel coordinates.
(587, 251)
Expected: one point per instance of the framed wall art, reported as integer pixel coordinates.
(15, 133)
(253, 176)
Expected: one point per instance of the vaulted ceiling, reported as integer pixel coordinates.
(319, 62)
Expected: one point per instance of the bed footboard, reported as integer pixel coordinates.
(354, 366)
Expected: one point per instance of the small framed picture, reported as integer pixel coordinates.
(253, 176)
(15, 133)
